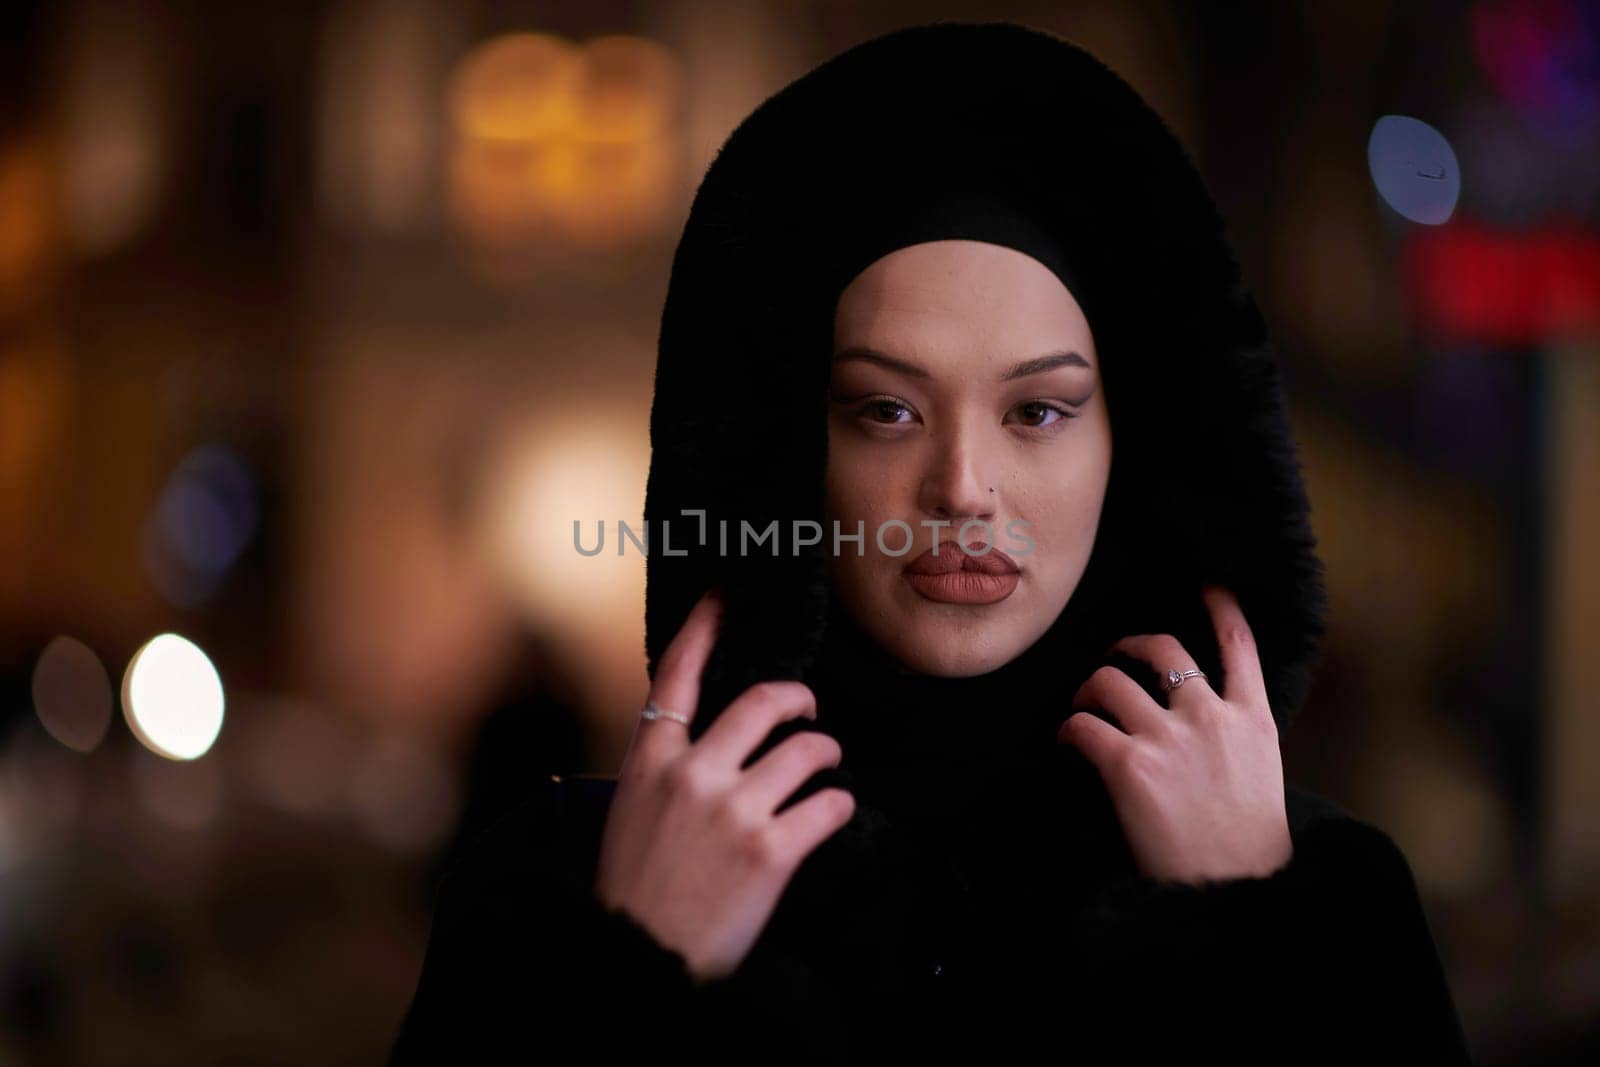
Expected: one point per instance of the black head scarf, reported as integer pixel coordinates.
(1012, 135)
(945, 207)
(909, 737)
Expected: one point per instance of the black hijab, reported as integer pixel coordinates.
(1012, 135)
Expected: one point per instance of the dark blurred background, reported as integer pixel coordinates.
(310, 315)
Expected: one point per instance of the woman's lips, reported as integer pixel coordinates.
(964, 587)
(954, 576)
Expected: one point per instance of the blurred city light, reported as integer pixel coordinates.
(72, 693)
(1414, 169)
(560, 141)
(172, 698)
(541, 480)
(204, 519)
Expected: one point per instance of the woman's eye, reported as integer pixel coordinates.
(885, 410)
(1034, 414)
(1047, 414)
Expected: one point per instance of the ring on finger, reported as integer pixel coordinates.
(652, 710)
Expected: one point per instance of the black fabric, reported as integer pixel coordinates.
(983, 899)
(943, 206)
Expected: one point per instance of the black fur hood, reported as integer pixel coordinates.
(1205, 482)
(1016, 917)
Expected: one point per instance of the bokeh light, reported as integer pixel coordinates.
(72, 693)
(172, 697)
(205, 517)
(542, 479)
(1414, 169)
(556, 139)
(519, 87)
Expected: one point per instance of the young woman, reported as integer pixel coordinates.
(981, 588)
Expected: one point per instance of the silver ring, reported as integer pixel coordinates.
(652, 711)
(1175, 678)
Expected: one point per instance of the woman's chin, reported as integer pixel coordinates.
(946, 640)
(945, 650)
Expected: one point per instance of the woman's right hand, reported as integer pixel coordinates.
(692, 849)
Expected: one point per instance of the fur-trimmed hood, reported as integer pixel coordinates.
(959, 916)
(1205, 481)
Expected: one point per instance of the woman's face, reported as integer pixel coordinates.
(965, 389)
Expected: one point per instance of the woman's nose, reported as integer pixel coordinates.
(955, 485)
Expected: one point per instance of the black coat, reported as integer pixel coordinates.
(1329, 960)
(983, 898)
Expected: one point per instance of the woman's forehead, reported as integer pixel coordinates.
(952, 276)
(903, 328)
(958, 262)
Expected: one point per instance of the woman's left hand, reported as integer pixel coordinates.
(1198, 787)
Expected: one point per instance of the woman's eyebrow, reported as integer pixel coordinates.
(1043, 363)
(1037, 365)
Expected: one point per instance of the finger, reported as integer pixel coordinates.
(1112, 690)
(773, 778)
(751, 716)
(676, 686)
(1099, 741)
(1162, 653)
(803, 827)
(1236, 643)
